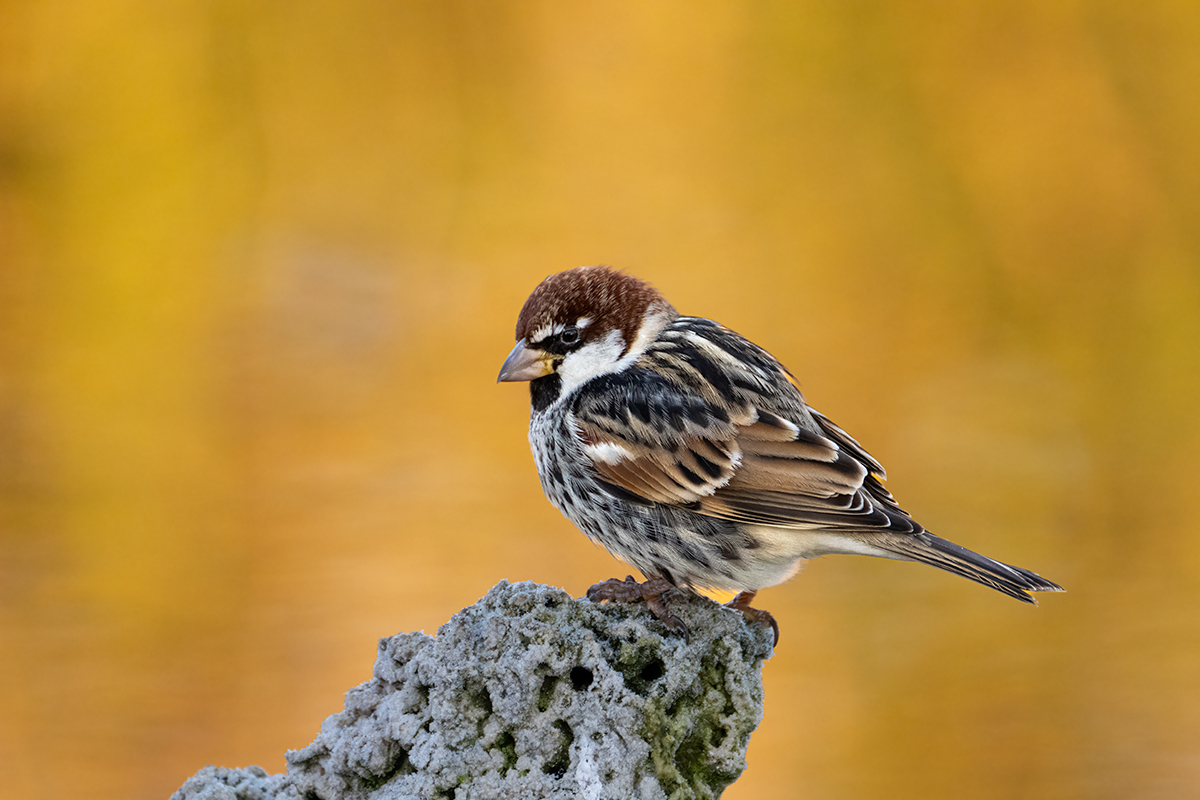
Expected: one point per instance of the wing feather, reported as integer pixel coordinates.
(759, 457)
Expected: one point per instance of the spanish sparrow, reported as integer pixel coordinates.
(687, 451)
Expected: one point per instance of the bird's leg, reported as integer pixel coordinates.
(653, 591)
(742, 603)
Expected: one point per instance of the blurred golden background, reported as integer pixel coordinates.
(260, 263)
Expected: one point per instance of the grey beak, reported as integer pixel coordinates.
(525, 364)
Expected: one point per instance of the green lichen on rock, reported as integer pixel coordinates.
(699, 740)
(530, 693)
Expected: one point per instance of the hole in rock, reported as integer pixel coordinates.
(581, 678)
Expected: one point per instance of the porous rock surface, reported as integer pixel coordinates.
(530, 693)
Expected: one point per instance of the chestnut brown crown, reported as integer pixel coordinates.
(611, 300)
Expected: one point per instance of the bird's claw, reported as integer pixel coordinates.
(653, 592)
(741, 603)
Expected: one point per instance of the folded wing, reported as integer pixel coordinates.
(738, 461)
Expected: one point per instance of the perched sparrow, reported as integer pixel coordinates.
(687, 451)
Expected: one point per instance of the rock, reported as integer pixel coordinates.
(221, 783)
(529, 694)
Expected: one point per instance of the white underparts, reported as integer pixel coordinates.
(812, 543)
(782, 551)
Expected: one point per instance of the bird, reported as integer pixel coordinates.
(689, 452)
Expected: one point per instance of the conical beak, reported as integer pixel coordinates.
(525, 364)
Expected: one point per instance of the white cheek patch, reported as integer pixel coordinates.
(591, 360)
(607, 453)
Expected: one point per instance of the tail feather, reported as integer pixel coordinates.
(938, 552)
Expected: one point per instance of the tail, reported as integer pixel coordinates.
(938, 552)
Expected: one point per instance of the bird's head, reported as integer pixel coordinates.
(580, 324)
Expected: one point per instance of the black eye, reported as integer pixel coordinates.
(569, 335)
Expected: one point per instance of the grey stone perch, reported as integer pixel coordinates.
(531, 694)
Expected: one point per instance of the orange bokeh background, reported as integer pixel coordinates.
(260, 263)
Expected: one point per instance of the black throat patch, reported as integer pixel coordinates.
(544, 391)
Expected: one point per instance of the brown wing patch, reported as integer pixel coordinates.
(822, 479)
(681, 475)
(799, 475)
(848, 442)
(789, 509)
(764, 426)
(807, 464)
(650, 483)
(802, 444)
(767, 470)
